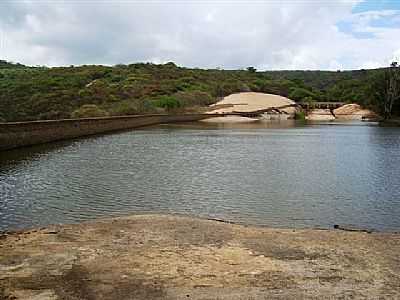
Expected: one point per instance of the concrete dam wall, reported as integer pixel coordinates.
(18, 134)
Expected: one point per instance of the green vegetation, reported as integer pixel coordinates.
(89, 111)
(7, 65)
(167, 102)
(386, 88)
(302, 94)
(32, 93)
(300, 115)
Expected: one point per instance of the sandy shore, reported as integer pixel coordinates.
(171, 257)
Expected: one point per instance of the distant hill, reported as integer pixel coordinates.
(321, 79)
(8, 65)
(32, 93)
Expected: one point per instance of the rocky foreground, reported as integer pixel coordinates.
(171, 257)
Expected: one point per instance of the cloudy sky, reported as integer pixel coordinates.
(285, 34)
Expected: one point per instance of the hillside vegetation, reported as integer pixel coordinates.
(34, 93)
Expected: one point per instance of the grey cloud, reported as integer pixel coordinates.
(200, 34)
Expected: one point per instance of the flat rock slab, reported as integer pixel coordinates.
(175, 257)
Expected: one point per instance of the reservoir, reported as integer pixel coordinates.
(285, 175)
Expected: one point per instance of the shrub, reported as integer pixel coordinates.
(300, 115)
(126, 108)
(52, 115)
(167, 102)
(299, 94)
(88, 111)
(308, 99)
(194, 98)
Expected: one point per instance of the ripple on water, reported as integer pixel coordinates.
(312, 176)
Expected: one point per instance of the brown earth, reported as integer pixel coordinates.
(174, 257)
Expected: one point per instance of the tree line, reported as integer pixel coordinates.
(35, 93)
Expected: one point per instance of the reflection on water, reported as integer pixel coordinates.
(251, 125)
(276, 174)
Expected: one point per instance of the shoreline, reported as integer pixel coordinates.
(154, 256)
(334, 227)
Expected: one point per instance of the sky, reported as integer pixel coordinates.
(268, 35)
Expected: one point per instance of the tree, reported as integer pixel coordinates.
(392, 92)
(300, 94)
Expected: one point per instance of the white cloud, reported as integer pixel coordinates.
(268, 35)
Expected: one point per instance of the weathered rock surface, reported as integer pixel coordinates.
(251, 102)
(171, 257)
(353, 112)
(320, 115)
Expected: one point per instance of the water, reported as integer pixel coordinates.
(273, 175)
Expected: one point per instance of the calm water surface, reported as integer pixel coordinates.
(274, 175)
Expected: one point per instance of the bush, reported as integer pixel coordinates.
(52, 115)
(300, 115)
(299, 94)
(195, 98)
(309, 100)
(89, 111)
(126, 108)
(167, 102)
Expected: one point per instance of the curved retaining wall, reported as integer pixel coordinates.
(18, 134)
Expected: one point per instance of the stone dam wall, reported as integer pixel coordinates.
(19, 134)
